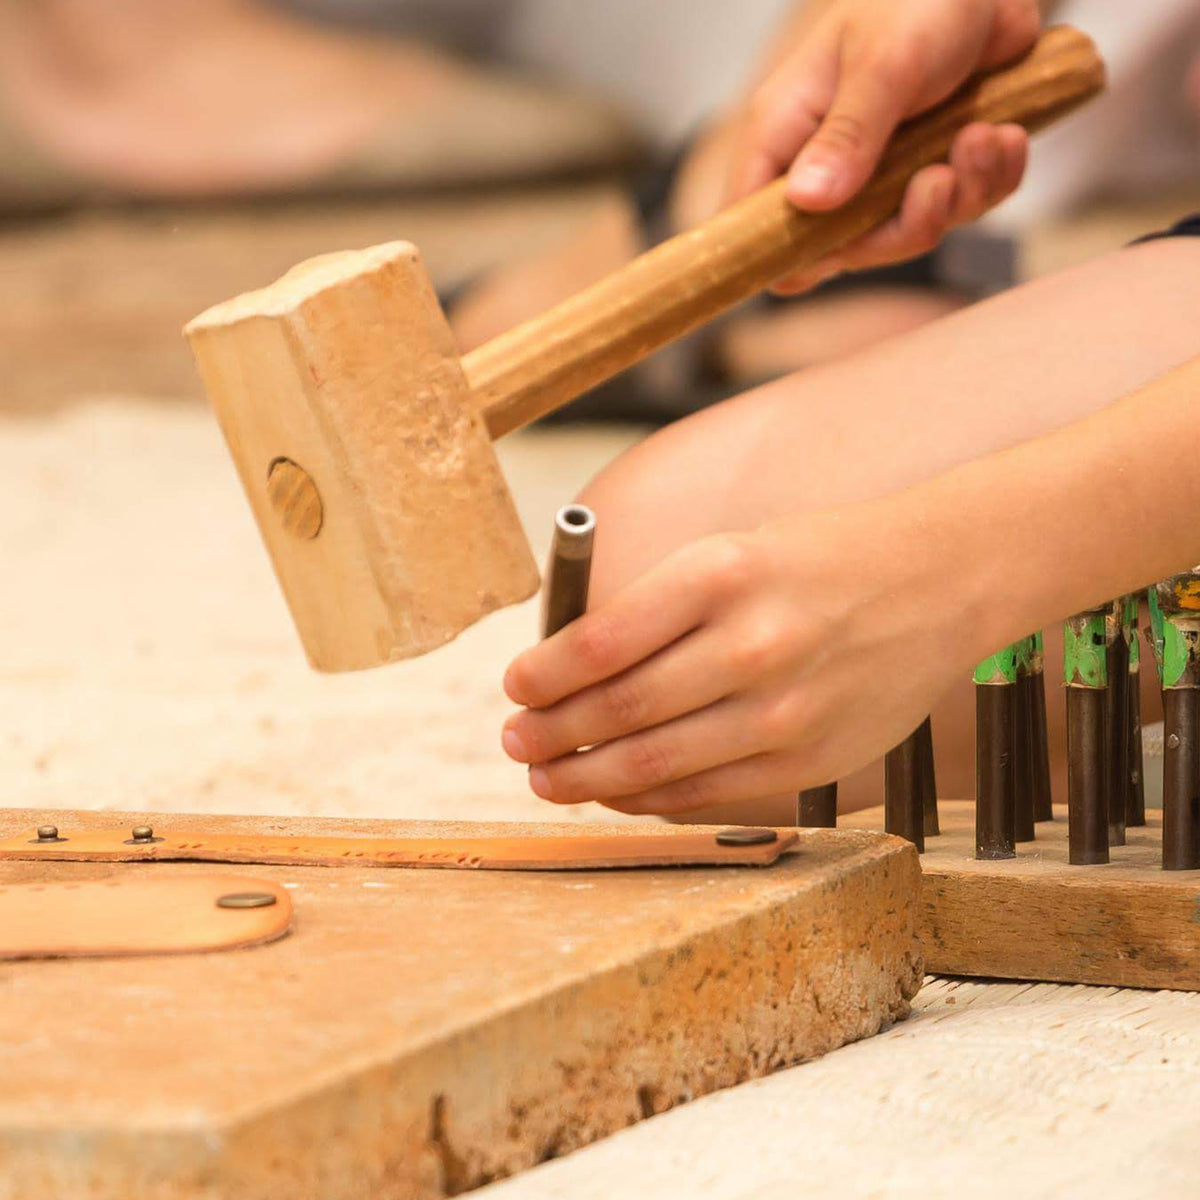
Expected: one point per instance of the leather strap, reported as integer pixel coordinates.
(551, 853)
(147, 914)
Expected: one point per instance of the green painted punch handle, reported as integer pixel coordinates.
(999, 668)
(1085, 642)
(1178, 605)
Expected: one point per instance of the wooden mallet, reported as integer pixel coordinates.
(364, 442)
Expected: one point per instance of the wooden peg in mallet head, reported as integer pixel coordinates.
(364, 443)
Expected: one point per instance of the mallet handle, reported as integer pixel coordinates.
(538, 366)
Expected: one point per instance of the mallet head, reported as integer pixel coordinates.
(366, 463)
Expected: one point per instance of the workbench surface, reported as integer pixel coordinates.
(420, 1032)
(989, 1090)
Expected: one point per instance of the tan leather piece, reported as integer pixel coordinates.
(567, 853)
(158, 914)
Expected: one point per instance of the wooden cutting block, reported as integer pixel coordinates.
(1127, 923)
(422, 1032)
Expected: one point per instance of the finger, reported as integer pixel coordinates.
(1014, 149)
(723, 732)
(1013, 33)
(839, 158)
(988, 163)
(684, 677)
(783, 114)
(796, 282)
(652, 612)
(922, 221)
(749, 778)
(976, 157)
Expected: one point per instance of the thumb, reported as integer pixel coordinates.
(839, 158)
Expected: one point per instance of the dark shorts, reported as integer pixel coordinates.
(1188, 227)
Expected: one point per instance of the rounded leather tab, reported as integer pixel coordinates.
(163, 914)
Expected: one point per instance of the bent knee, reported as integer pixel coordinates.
(653, 499)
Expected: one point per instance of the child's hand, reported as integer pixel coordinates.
(742, 666)
(826, 113)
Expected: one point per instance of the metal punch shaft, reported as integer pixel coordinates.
(1023, 766)
(1043, 809)
(1181, 772)
(903, 791)
(929, 797)
(570, 568)
(817, 807)
(1085, 674)
(995, 750)
(1135, 810)
(1117, 719)
(1178, 607)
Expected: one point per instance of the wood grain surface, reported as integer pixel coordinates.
(1126, 923)
(422, 1032)
(988, 1091)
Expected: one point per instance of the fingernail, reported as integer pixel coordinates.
(812, 181)
(539, 781)
(514, 747)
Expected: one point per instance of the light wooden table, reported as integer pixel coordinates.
(988, 1090)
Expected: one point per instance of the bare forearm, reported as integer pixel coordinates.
(744, 658)
(1123, 487)
(874, 527)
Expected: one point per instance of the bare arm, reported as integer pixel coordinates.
(870, 529)
(793, 627)
(1125, 483)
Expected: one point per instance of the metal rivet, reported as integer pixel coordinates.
(47, 833)
(743, 836)
(246, 900)
(143, 835)
(1173, 742)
